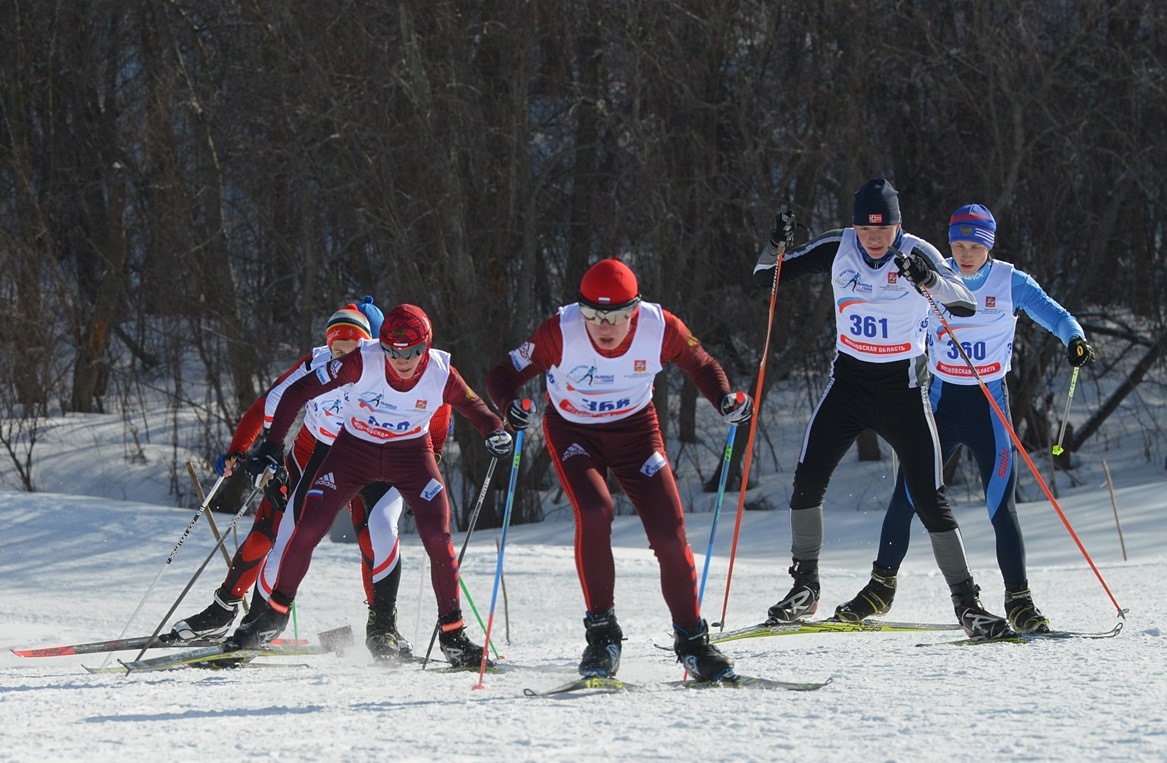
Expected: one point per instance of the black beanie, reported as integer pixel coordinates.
(876, 203)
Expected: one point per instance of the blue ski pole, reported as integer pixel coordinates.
(502, 544)
(717, 510)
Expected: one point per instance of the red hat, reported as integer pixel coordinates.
(609, 284)
(347, 323)
(406, 326)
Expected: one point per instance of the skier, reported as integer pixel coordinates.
(964, 416)
(396, 386)
(375, 511)
(600, 356)
(877, 382)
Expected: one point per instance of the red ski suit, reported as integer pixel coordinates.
(352, 463)
(632, 448)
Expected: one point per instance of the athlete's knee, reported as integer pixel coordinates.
(810, 485)
(935, 515)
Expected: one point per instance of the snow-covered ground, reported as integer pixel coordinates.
(76, 563)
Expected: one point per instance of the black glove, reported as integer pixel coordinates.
(915, 268)
(1079, 353)
(782, 229)
(521, 417)
(269, 456)
(500, 444)
(737, 408)
(221, 461)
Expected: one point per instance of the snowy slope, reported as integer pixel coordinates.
(75, 568)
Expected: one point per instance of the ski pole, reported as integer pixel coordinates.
(1016, 440)
(190, 584)
(1066, 415)
(182, 539)
(502, 544)
(717, 506)
(747, 458)
(210, 514)
(466, 542)
(474, 609)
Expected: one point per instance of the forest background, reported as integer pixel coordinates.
(188, 189)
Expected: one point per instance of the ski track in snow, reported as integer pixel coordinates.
(75, 566)
(74, 569)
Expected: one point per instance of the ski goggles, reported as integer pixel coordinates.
(410, 352)
(610, 315)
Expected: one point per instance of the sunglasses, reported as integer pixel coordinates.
(408, 353)
(612, 316)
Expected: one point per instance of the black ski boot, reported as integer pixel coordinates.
(703, 660)
(381, 635)
(1023, 614)
(803, 598)
(265, 622)
(456, 646)
(213, 622)
(975, 619)
(601, 656)
(874, 599)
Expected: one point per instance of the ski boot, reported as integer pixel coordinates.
(601, 656)
(975, 619)
(456, 646)
(1023, 614)
(263, 623)
(382, 639)
(213, 622)
(704, 661)
(803, 598)
(874, 599)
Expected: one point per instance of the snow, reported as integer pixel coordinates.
(75, 565)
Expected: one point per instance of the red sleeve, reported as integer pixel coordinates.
(684, 350)
(335, 373)
(467, 403)
(440, 428)
(249, 427)
(532, 358)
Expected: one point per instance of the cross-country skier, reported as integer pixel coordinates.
(877, 382)
(375, 511)
(599, 357)
(396, 385)
(964, 416)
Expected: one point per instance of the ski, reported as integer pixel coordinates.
(165, 640)
(607, 685)
(752, 682)
(599, 684)
(797, 627)
(217, 656)
(1029, 638)
(226, 654)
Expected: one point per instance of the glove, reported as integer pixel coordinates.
(915, 268)
(521, 414)
(782, 230)
(737, 408)
(1079, 353)
(221, 461)
(269, 456)
(499, 443)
